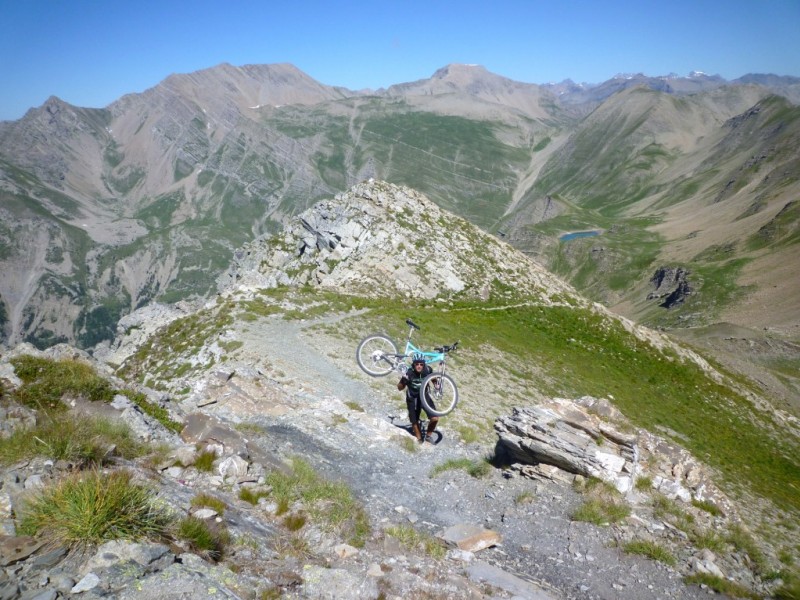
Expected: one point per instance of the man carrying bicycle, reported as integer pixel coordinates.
(411, 382)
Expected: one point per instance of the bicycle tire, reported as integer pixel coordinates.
(439, 389)
(371, 355)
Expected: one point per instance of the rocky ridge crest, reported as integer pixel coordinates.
(381, 239)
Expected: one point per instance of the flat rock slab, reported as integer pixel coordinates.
(470, 537)
(15, 549)
(482, 572)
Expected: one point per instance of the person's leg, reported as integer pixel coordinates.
(432, 422)
(413, 416)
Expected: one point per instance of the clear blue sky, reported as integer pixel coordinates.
(90, 53)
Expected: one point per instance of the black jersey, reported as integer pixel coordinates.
(413, 380)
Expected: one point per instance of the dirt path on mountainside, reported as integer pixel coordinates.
(365, 447)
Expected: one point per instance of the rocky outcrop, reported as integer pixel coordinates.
(563, 434)
(671, 284)
(380, 239)
(591, 438)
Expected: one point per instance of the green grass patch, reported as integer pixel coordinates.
(722, 586)
(413, 539)
(329, 504)
(91, 507)
(354, 406)
(209, 501)
(207, 539)
(205, 461)
(74, 438)
(46, 382)
(475, 468)
(600, 511)
(644, 483)
(651, 550)
(707, 506)
(252, 496)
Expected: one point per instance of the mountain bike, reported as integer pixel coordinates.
(377, 356)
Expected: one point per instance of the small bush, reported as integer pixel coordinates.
(205, 461)
(209, 501)
(650, 550)
(91, 507)
(204, 538)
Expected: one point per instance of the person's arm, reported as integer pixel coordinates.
(401, 385)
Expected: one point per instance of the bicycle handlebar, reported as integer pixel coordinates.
(446, 349)
(411, 324)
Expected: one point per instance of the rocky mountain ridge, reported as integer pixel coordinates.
(148, 198)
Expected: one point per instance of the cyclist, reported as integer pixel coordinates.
(411, 382)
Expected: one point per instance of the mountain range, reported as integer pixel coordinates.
(685, 188)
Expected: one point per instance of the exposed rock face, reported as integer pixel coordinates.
(562, 434)
(672, 284)
(583, 437)
(383, 239)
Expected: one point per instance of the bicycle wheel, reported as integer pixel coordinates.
(439, 394)
(375, 355)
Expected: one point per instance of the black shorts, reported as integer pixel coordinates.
(415, 408)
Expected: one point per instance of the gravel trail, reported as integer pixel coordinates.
(540, 543)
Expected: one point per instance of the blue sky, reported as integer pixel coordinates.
(90, 53)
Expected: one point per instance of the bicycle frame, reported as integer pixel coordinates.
(438, 355)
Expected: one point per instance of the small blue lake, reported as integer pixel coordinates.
(578, 234)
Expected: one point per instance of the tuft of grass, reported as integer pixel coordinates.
(644, 483)
(354, 406)
(669, 510)
(475, 468)
(601, 512)
(708, 539)
(651, 550)
(331, 504)
(707, 506)
(416, 540)
(203, 537)
(205, 461)
(294, 522)
(209, 501)
(409, 444)
(603, 503)
(73, 438)
(252, 496)
(524, 498)
(790, 590)
(249, 427)
(723, 586)
(90, 507)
